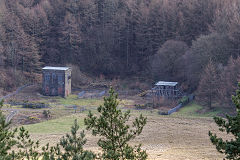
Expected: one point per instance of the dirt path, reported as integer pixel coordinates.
(16, 92)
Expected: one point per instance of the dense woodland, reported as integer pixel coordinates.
(194, 42)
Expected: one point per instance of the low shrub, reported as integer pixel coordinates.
(142, 94)
(33, 118)
(184, 100)
(47, 113)
(162, 113)
(144, 106)
(140, 106)
(35, 105)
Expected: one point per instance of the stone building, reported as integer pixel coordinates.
(56, 81)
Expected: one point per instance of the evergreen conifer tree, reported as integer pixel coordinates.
(230, 125)
(69, 148)
(73, 145)
(27, 148)
(6, 137)
(115, 132)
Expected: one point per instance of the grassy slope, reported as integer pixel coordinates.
(74, 100)
(90, 102)
(61, 125)
(164, 137)
(183, 135)
(192, 110)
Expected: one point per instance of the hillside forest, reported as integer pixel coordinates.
(192, 42)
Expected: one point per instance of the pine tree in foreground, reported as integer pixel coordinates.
(73, 145)
(115, 132)
(6, 137)
(230, 125)
(69, 147)
(8, 140)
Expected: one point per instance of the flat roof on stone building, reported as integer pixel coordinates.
(56, 68)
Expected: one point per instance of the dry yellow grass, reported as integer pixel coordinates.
(166, 138)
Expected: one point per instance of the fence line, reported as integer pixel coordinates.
(16, 92)
(180, 105)
(175, 109)
(11, 115)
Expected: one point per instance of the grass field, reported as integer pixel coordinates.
(74, 100)
(56, 126)
(191, 110)
(63, 124)
(180, 136)
(164, 137)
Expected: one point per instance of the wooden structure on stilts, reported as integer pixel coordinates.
(166, 90)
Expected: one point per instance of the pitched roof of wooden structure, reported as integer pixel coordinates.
(163, 83)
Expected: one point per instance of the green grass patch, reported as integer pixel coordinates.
(92, 102)
(190, 110)
(125, 102)
(61, 125)
(193, 109)
(59, 110)
(74, 100)
(8, 106)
